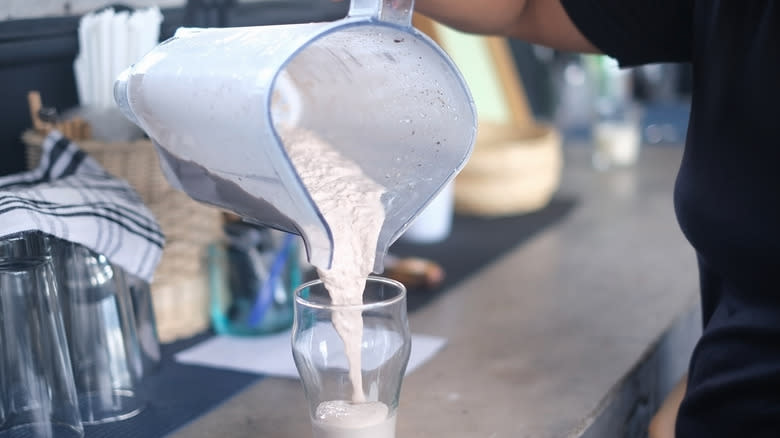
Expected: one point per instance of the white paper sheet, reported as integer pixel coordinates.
(271, 355)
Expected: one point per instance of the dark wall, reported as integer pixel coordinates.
(38, 55)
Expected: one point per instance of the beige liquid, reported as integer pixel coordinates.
(340, 419)
(351, 204)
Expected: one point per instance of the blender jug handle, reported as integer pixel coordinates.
(390, 11)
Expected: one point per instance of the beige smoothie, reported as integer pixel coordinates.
(340, 419)
(351, 204)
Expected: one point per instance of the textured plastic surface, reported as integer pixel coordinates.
(377, 89)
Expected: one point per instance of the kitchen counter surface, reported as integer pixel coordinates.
(579, 332)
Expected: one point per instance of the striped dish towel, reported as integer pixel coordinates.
(70, 196)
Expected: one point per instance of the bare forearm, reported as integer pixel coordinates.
(494, 17)
(537, 21)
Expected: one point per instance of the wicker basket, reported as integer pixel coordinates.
(513, 170)
(180, 287)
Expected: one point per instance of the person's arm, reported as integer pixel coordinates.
(542, 22)
(662, 424)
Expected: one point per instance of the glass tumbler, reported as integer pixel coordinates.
(617, 125)
(101, 328)
(145, 323)
(362, 403)
(36, 382)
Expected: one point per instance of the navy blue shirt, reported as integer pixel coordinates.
(727, 193)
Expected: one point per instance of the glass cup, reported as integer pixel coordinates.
(338, 407)
(145, 323)
(36, 382)
(617, 118)
(100, 325)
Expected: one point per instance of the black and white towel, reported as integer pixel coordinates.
(70, 196)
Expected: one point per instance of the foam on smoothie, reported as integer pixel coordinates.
(340, 419)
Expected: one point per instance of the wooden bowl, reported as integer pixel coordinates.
(513, 170)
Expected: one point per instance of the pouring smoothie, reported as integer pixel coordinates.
(351, 205)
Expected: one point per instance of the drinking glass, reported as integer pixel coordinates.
(337, 409)
(102, 338)
(145, 323)
(36, 382)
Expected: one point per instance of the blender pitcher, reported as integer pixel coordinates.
(381, 92)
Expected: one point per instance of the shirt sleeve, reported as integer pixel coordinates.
(636, 32)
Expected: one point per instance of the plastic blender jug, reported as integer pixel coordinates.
(381, 92)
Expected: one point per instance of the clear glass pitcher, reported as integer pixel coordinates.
(370, 84)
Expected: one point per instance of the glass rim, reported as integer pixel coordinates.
(23, 263)
(40, 241)
(371, 278)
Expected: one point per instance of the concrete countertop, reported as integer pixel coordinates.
(577, 333)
